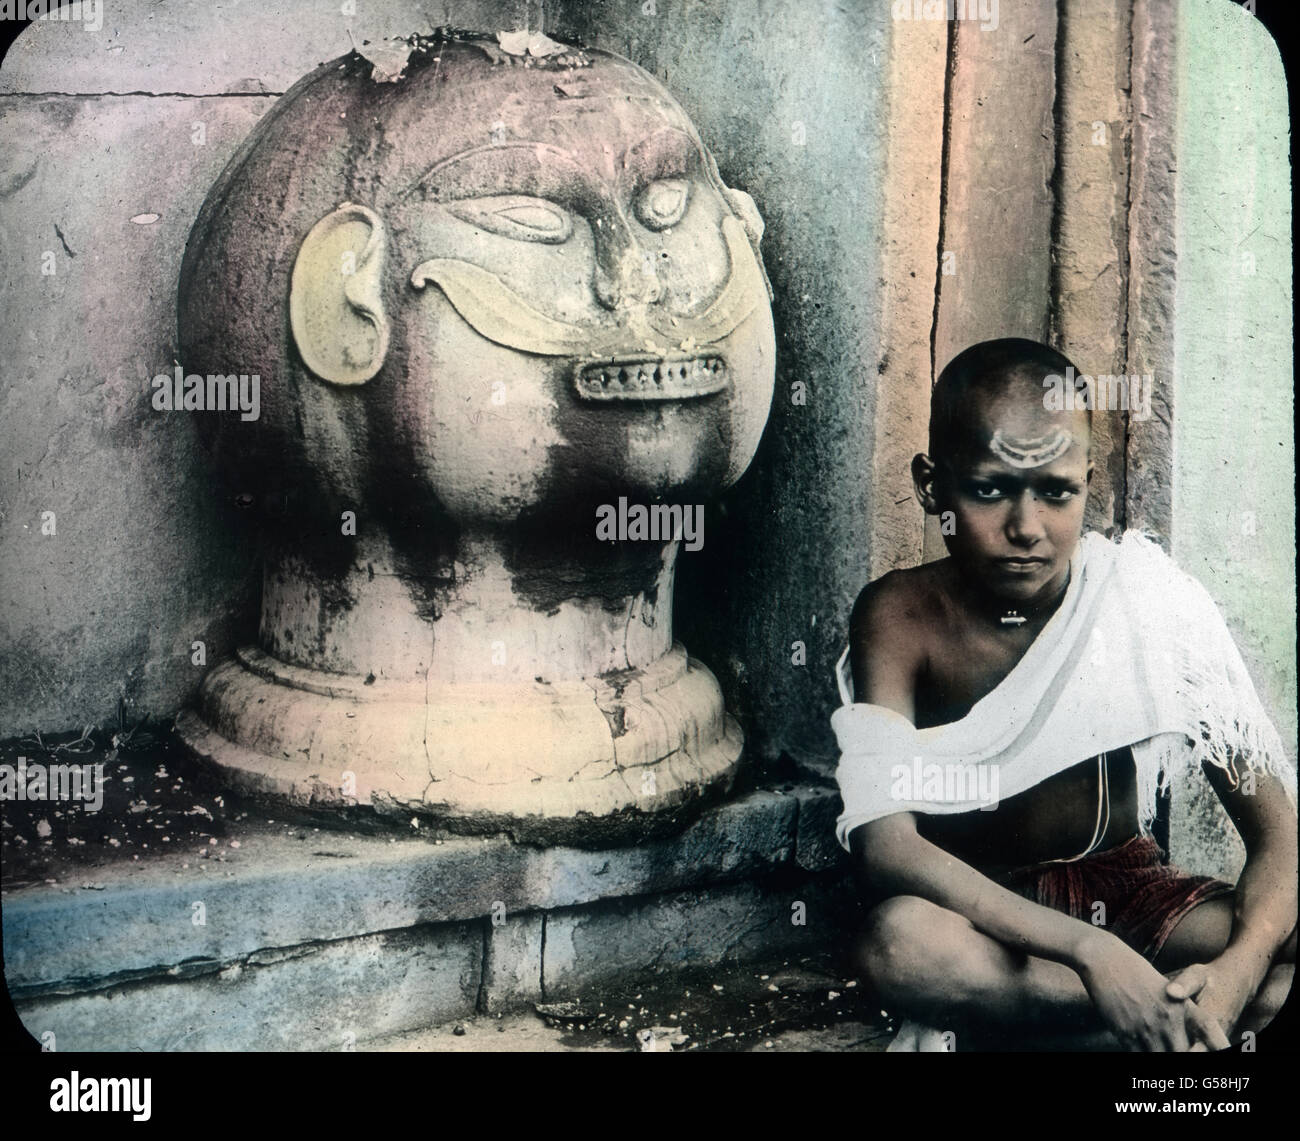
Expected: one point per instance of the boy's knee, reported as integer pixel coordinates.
(900, 935)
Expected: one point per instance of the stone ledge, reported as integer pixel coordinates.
(561, 953)
(335, 996)
(280, 892)
(736, 923)
(816, 848)
(312, 998)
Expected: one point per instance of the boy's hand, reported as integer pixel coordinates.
(1131, 997)
(1218, 989)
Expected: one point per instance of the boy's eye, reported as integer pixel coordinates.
(1058, 494)
(985, 491)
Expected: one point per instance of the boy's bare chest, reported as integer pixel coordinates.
(963, 665)
(1051, 820)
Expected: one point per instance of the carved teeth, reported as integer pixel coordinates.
(648, 379)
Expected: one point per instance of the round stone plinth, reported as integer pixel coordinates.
(559, 762)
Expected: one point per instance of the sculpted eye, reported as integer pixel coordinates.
(662, 204)
(516, 216)
(540, 218)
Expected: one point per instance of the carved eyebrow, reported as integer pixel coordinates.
(547, 171)
(665, 153)
(519, 167)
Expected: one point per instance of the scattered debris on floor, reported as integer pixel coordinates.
(802, 1005)
(154, 804)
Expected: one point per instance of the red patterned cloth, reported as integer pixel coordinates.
(1145, 898)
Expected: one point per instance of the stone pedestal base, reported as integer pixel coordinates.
(573, 762)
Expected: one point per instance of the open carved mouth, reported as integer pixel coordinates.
(652, 378)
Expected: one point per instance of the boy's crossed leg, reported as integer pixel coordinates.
(932, 965)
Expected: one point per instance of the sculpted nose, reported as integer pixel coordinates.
(626, 273)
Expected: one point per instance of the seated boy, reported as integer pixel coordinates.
(1015, 708)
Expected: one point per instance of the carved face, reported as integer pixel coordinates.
(561, 301)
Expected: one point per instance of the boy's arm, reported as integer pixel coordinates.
(888, 653)
(1264, 911)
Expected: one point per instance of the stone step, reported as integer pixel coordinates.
(312, 945)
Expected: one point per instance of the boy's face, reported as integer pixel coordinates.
(1017, 487)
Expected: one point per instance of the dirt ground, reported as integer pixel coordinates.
(149, 809)
(799, 1005)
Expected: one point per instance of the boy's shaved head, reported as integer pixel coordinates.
(1007, 368)
(1008, 470)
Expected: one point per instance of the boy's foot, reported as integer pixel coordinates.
(916, 1038)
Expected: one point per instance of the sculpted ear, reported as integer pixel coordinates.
(335, 296)
(742, 205)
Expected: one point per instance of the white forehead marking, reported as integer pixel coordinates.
(1030, 453)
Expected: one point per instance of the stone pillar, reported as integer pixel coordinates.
(1090, 242)
(1233, 448)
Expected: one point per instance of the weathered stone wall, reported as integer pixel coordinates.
(1090, 184)
(1233, 486)
(110, 604)
(142, 561)
(111, 140)
(994, 272)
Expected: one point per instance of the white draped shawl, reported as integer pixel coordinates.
(1136, 654)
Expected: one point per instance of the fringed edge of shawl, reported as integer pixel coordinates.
(1225, 724)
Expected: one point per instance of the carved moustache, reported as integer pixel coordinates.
(648, 355)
